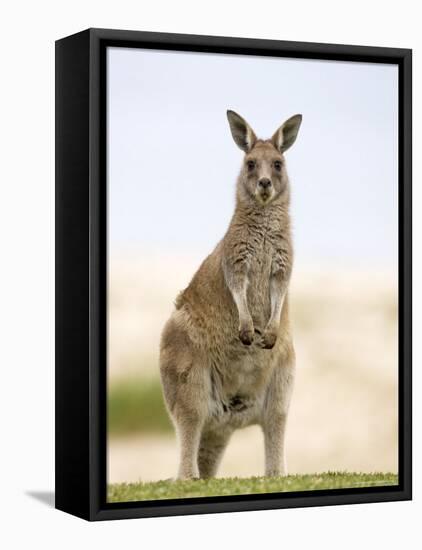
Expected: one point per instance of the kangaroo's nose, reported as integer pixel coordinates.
(264, 183)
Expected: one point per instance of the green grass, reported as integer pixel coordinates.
(136, 405)
(126, 492)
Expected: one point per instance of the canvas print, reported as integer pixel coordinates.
(252, 274)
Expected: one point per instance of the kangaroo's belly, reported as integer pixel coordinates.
(238, 388)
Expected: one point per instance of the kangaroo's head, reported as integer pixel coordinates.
(263, 177)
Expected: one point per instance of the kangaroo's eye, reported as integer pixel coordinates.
(251, 165)
(277, 165)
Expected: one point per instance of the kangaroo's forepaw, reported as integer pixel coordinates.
(268, 339)
(246, 336)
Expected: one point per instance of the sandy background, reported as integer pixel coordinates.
(344, 409)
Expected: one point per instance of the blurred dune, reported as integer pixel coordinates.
(344, 409)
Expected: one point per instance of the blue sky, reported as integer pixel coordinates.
(172, 164)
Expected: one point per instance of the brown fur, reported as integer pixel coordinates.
(226, 357)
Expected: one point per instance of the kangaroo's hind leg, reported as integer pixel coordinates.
(275, 416)
(211, 451)
(189, 433)
(189, 414)
(186, 391)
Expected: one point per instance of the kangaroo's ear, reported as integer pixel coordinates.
(286, 135)
(242, 133)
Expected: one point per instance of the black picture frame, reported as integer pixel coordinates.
(81, 259)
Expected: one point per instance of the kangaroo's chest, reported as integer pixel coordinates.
(261, 265)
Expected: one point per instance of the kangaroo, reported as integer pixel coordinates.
(226, 354)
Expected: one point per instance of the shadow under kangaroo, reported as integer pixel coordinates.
(226, 356)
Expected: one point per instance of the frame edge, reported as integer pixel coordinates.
(72, 367)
